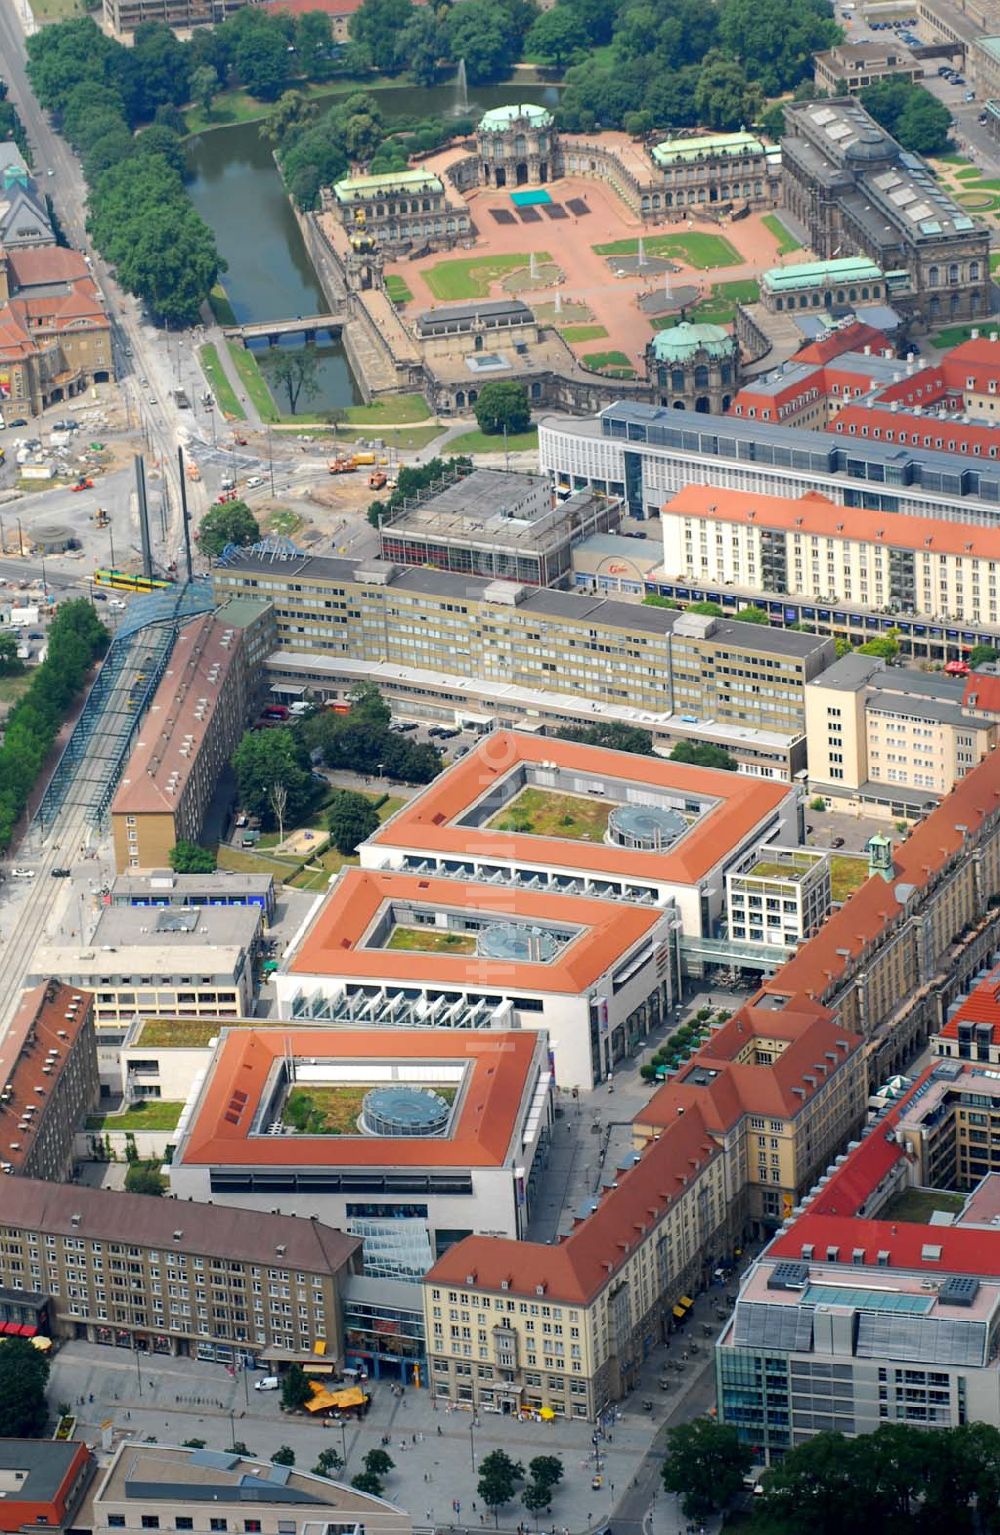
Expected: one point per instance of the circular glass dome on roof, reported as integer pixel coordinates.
(646, 827)
(682, 342)
(404, 1111)
(514, 941)
(499, 119)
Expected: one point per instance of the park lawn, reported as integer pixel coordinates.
(609, 362)
(746, 290)
(396, 409)
(218, 382)
(472, 278)
(704, 251)
(316, 874)
(543, 813)
(237, 106)
(56, 10)
(147, 1114)
(953, 159)
(338, 1107)
(953, 336)
(479, 442)
(244, 860)
(253, 381)
(846, 874)
(786, 240)
(218, 300)
(282, 521)
(11, 688)
(432, 940)
(994, 260)
(395, 287)
(583, 332)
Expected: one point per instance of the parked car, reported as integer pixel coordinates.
(837, 842)
(23, 873)
(60, 873)
(255, 481)
(18, 421)
(268, 1383)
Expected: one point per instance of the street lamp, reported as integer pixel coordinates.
(472, 1440)
(343, 1442)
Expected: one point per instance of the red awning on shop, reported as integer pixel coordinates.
(17, 1330)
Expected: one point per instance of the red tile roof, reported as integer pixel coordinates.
(35, 266)
(982, 693)
(971, 439)
(981, 1005)
(487, 1118)
(813, 513)
(576, 1269)
(427, 823)
(847, 338)
(865, 916)
(334, 945)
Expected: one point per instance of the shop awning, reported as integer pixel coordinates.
(17, 1330)
(318, 1369)
(679, 1312)
(686, 1302)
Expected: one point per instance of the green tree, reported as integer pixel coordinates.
(884, 645)
(156, 70)
(556, 36)
(546, 1470)
(293, 110)
(378, 1463)
(367, 1481)
(910, 113)
(710, 609)
(753, 615)
(982, 655)
(204, 87)
(705, 1465)
(189, 858)
(821, 1485)
(503, 404)
(297, 372)
(314, 41)
(536, 1497)
(231, 523)
(498, 1479)
(772, 120)
(10, 666)
(479, 33)
(703, 754)
(295, 1392)
(352, 819)
(144, 1178)
(377, 30)
(327, 1462)
(262, 59)
(266, 759)
(724, 97)
(774, 40)
(283, 1456)
(24, 1373)
(413, 479)
(426, 46)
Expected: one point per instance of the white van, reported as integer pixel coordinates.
(269, 1383)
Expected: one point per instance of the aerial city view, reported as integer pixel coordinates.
(499, 826)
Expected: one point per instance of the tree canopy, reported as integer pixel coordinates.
(361, 742)
(705, 1466)
(503, 405)
(269, 759)
(352, 818)
(231, 523)
(703, 754)
(621, 738)
(910, 113)
(413, 478)
(190, 858)
(24, 1372)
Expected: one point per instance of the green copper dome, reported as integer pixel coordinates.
(681, 342)
(501, 118)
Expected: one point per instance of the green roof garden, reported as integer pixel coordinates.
(679, 151)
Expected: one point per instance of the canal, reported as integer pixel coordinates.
(236, 188)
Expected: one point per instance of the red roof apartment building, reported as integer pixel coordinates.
(48, 1081)
(41, 1483)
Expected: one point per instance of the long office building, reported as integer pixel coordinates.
(534, 655)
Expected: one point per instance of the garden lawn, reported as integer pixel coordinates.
(609, 362)
(148, 1114)
(953, 336)
(994, 260)
(399, 409)
(546, 814)
(953, 159)
(432, 940)
(786, 240)
(405, 439)
(181, 1033)
(57, 10)
(479, 442)
(472, 278)
(704, 251)
(253, 381)
(395, 287)
(583, 332)
(918, 1205)
(218, 382)
(11, 688)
